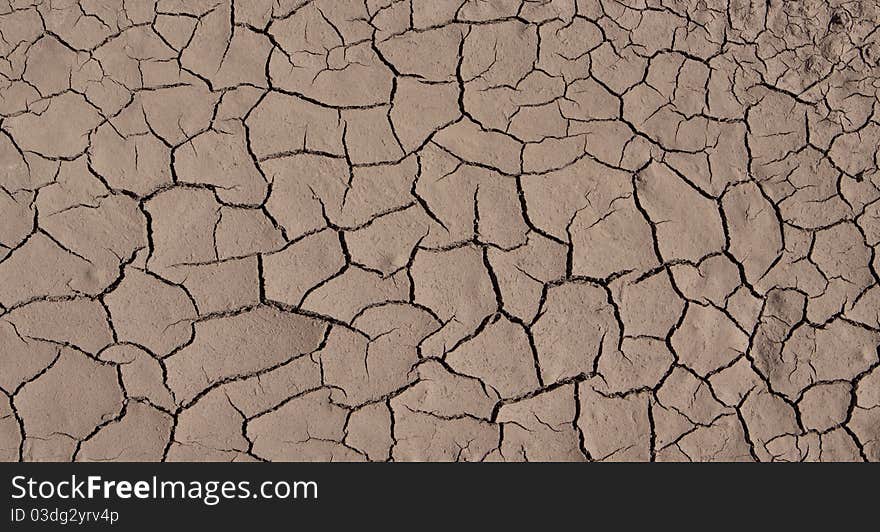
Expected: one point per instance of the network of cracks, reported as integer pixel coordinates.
(439, 230)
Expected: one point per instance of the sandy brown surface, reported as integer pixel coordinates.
(439, 230)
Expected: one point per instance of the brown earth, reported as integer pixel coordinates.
(440, 230)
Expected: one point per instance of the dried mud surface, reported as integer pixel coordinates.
(439, 230)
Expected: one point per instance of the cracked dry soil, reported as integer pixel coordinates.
(440, 230)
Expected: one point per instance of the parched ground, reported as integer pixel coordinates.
(440, 230)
